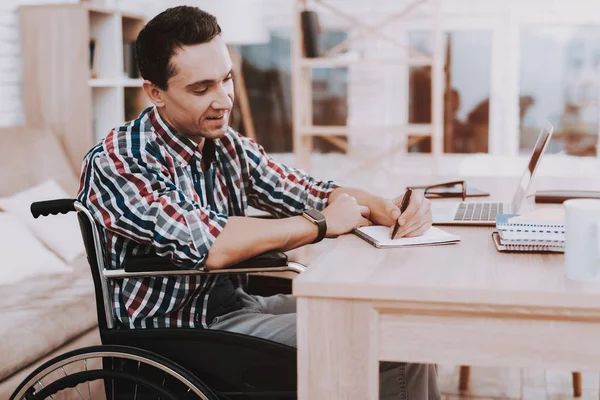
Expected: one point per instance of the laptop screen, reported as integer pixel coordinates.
(538, 150)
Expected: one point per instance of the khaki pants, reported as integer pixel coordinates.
(274, 318)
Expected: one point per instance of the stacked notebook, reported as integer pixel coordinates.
(542, 230)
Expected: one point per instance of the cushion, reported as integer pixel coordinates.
(30, 156)
(60, 233)
(23, 256)
(44, 314)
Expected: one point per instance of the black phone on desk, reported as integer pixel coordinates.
(560, 196)
(446, 192)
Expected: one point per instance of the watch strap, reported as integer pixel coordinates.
(318, 219)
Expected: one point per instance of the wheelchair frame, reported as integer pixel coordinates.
(107, 274)
(143, 266)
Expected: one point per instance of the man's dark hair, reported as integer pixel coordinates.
(164, 34)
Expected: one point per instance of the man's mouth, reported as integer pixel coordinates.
(216, 117)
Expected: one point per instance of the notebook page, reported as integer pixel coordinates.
(380, 235)
(541, 216)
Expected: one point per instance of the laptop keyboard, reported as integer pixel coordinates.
(478, 211)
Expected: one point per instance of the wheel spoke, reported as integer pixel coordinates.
(112, 381)
(163, 381)
(136, 385)
(88, 384)
(65, 372)
(42, 385)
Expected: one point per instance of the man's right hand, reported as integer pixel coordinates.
(344, 214)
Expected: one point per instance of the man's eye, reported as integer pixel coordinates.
(200, 91)
(229, 77)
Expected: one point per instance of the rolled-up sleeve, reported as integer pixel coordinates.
(280, 189)
(134, 196)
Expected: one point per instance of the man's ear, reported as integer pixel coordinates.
(154, 93)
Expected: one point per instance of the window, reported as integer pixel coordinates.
(467, 82)
(330, 87)
(560, 81)
(267, 72)
(509, 66)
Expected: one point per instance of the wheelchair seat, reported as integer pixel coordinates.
(163, 363)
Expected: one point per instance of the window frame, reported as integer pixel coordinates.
(505, 22)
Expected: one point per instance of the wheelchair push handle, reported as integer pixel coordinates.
(54, 207)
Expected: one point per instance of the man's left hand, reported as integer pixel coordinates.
(415, 220)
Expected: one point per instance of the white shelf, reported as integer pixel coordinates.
(107, 104)
(320, 130)
(113, 11)
(99, 9)
(105, 31)
(132, 82)
(115, 82)
(333, 62)
(103, 82)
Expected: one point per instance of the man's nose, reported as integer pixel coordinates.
(222, 99)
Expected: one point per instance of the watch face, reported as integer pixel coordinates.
(314, 214)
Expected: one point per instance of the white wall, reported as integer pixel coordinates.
(11, 112)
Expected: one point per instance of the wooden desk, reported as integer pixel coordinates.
(462, 304)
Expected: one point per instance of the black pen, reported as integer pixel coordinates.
(403, 206)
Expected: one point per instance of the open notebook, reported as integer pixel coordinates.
(379, 236)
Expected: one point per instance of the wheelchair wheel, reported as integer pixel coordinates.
(113, 373)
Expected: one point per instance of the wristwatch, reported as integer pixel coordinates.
(318, 219)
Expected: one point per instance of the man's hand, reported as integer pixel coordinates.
(383, 211)
(344, 214)
(416, 219)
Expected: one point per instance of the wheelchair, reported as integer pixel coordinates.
(170, 363)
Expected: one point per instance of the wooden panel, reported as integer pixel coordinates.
(54, 41)
(479, 339)
(324, 356)
(132, 27)
(135, 102)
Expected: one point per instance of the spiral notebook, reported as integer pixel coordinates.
(379, 236)
(541, 230)
(539, 221)
(538, 225)
(526, 246)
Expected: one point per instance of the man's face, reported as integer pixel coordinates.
(199, 97)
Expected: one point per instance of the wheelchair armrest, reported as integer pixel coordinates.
(144, 266)
(153, 263)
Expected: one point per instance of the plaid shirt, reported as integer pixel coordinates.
(144, 184)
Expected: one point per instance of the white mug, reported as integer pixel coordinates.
(582, 248)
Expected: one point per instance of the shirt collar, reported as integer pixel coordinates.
(181, 147)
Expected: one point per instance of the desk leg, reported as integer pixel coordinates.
(337, 350)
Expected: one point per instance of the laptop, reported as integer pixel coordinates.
(484, 213)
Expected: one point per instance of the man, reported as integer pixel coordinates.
(178, 181)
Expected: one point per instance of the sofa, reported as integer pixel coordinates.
(41, 316)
